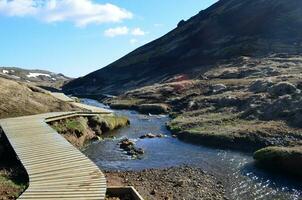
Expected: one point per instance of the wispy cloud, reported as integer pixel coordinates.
(79, 12)
(123, 30)
(113, 32)
(138, 32)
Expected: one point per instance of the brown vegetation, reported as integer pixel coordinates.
(20, 99)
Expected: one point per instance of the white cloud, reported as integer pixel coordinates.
(137, 32)
(113, 32)
(18, 7)
(79, 12)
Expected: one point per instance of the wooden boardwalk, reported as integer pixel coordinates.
(56, 169)
(94, 109)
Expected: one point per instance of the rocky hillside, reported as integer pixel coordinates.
(37, 77)
(245, 104)
(228, 29)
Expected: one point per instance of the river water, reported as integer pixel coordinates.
(241, 178)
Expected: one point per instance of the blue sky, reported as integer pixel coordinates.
(76, 37)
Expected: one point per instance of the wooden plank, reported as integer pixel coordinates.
(62, 97)
(56, 169)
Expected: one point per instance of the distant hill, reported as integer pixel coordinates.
(38, 77)
(227, 29)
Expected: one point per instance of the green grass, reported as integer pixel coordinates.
(271, 153)
(71, 126)
(124, 103)
(76, 124)
(114, 122)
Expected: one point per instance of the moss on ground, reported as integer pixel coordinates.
(124, 104)
(155, 108)
(226, 129)
(79, 131)
(115, 122)
(71, 126)
(286, 159)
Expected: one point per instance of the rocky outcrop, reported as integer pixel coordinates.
(218, 88)
(129, 147)
(282, 88)
(150, 136)
(260, 85)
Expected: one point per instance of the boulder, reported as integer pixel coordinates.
(299, 85)
(297, 118)
(126, 144)
(148, 135)
(181, 23)
(282, 88)
(275, 109)
(218, 88)
(259, 86)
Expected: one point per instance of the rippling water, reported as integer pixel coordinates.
(237, 170)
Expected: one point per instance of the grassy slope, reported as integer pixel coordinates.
(19, 99)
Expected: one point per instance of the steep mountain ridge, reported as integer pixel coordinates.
(227, 29)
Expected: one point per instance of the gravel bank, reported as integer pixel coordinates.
(175, 183)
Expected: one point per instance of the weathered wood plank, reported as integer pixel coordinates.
(56, 169)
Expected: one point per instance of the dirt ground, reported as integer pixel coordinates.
(175, 183)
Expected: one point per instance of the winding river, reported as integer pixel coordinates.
(241, 178)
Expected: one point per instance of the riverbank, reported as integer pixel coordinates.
(288, 159)
(240, 177)
(245, 104)
(175, 183)
(80, 131)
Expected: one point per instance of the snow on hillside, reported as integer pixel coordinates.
(35, 75)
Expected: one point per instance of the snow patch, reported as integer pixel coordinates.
(15, 77)
(35, 75)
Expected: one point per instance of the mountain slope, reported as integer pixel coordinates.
(228, 29)
(37, 77)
